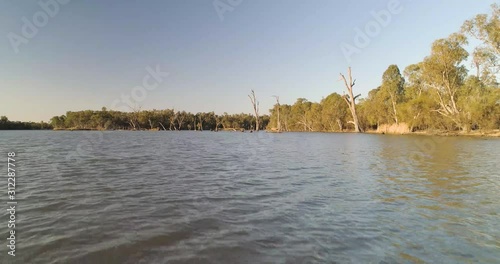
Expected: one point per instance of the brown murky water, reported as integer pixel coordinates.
(205, 197)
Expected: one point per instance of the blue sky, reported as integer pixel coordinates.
(92, 52)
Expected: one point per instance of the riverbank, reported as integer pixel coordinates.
(444, 133)
(154, 129)
(477, 133)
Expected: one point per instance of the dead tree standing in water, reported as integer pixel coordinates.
(279, 106)
(350, 99)
(255, 105)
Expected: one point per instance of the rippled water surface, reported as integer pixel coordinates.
(230, 197)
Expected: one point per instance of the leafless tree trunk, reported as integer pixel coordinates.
(395, 113)
(279, 106)
(134, 121)
(255, 105)
(201, 122)
(447, 102)
(477, 64)
(304, 122)
(162, 126)
(172, 120)
(350, 99)
(180, 120)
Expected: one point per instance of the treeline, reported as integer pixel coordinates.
(437, 93)
(167, 119)
(6, 124)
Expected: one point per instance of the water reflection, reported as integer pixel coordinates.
(441, 197)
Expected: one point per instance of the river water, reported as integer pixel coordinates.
(231, 197)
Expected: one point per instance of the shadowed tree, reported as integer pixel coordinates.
(218, 122)
(392, 88)
(443, 71)
(300, 110)
(333, 112)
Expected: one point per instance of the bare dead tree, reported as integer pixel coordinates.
(255, 105)
(279, 106)
(350, 99)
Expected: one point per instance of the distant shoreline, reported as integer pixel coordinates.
(489, 133)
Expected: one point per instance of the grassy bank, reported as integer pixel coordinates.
(475, 133)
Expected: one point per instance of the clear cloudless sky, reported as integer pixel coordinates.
(91, 52)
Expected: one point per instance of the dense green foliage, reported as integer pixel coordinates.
(154, 119)
(6, 124)
(437, 93)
